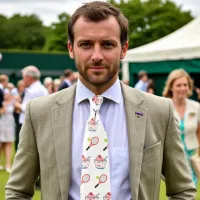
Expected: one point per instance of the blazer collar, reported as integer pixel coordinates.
(132, 95)
(66, 95)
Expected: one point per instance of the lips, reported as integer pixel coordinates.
(97, 68)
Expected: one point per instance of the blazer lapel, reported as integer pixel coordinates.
(136, 124)
(62, 133)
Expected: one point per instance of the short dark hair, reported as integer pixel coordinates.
(67, 73)
(97, 11)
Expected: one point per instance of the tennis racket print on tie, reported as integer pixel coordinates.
(95, 173)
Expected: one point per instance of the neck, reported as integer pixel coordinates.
(179, 102)
(101, 88)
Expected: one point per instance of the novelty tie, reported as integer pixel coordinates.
(95, 175)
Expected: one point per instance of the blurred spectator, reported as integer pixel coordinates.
(198, 93)
(19, 98)
(7, 129)
(179, 87)
(151, 86)
(20, 87)
(12, 89)
(68, 81)
(34, 89)
(56, 84)
(3, 84)
(143, 81)
(62, 78)
(48, 84)
(76, 76)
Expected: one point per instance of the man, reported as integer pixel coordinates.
(33, 89)
(143, 138)
(68, 79)
(142, 84)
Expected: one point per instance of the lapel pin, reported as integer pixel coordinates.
(139, 114)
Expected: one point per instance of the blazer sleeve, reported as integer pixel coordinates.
(178, 180)
(25, 170)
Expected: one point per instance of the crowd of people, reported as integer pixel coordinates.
(13, 100)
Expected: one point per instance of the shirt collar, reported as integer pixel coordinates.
(114, 93)
(34, 84)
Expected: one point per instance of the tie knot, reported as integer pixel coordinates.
(96, 102)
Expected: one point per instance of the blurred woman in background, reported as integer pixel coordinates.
(7, 129)
(179, 87)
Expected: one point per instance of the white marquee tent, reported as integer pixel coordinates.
(182, 44)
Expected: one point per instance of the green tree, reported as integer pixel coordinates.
(57, 39)
(21, 32)
(151, 20)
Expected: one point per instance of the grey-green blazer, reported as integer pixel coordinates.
(155, 148)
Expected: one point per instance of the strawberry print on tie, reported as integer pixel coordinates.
(95, 173)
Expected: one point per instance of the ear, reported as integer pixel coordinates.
(70, 48)
(124, 50)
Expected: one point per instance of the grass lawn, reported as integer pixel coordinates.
(4, 178)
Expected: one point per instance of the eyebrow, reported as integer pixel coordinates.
(106, 40)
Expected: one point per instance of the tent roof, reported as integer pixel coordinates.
(181, 44)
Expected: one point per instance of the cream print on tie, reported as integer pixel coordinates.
(95, 173)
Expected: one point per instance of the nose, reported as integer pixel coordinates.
(97, 54)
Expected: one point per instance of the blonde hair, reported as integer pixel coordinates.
(3, 78)
(174, 75)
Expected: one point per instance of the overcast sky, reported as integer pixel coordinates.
(48, 10)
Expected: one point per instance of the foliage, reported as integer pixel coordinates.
(58, 37)
(21, 32)
(151, 20)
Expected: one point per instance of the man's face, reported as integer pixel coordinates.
(97, 51)
(27, 80)
(145, 78)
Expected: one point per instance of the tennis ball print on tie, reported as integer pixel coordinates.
(95, 174)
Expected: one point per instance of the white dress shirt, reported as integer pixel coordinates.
(35, 90)
(113, 116)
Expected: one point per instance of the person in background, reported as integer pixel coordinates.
(197, 90)
(141, 129)
(56, 84)
(48, 84)
(142, 84)
(69, 79)
(33, 89)
(3, 84)
(19, 98)
(151, 86)
(7, 129)
(179, 86)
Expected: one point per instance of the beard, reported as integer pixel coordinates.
(98, 78)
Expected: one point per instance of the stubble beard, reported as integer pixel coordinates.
(97, 78)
